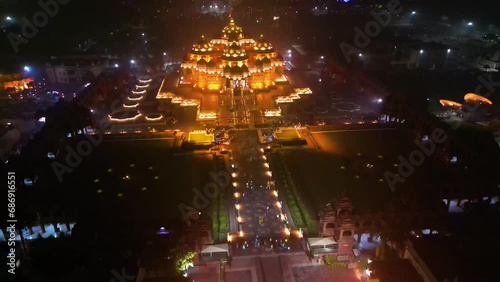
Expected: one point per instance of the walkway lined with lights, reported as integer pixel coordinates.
(258, 209)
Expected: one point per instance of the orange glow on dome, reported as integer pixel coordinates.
(471, 97)
(451, 104)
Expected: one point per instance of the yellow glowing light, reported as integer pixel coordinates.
(287, 231)
(266, 165)
(241, 233)
(303, 91)
(163, 95)
(138, 92)
(233, 174)
(229, 237)
(273, 113)
(237, 206)
(239, 219)
(235, 184)
(275, 193)
(236, 195)
(142, 86)
(125, 119)
(134, 105)
(207, 115)
(136, 98)
(278, 204)
(300, 233)
(269, 173)
(154, 118)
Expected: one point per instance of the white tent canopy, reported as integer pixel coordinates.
(220, 248)
(321, 241)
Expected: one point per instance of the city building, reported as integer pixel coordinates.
(232, 60)
(489, 63)
(75, 69)
(423, 55)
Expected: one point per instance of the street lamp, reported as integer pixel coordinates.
(413, 13)
(360, 55)
(116, 65)
(448, 51)
(421, 51)
(8, 18)
(132, 61)
(27, 69)
(322, 57)
(470, 24)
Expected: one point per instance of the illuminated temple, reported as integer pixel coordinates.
(232, 60)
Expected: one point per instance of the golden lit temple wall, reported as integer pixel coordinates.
(201, 82)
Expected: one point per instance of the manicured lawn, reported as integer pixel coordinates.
(350, 164)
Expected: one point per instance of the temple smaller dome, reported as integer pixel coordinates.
(211, 64)
(202, 62)
(235, 53)
(202, 46)
(261, 45)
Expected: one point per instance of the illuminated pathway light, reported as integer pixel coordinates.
(130, 105)
(154, 117)
(132, 118)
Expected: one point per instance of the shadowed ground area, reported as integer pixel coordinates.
(347, 164)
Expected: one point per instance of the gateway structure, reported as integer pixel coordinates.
(232, 60)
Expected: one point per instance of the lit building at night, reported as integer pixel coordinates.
(232, 60)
